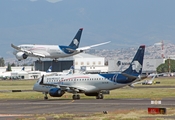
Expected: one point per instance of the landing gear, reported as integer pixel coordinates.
(99, 96)
(39, 60)
(76, 97)
(55, 60)
(45, 97)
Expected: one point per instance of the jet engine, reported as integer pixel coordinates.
(56, 92)
(21, 55)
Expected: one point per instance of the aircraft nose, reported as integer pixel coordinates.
(35, 87)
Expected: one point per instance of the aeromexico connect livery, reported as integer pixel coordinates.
(51, 51)
(91, 84)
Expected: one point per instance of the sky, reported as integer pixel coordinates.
(126, 23)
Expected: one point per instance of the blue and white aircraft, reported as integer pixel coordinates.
(91, 84)
(51, 51)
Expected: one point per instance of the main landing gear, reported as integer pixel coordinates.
(76, 97)
(99, 96)
(55, 60)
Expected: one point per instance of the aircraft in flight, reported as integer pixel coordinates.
(51, 51)
(91, 84)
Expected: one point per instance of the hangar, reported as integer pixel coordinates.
(82, 61)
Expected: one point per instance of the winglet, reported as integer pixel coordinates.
(15, 47)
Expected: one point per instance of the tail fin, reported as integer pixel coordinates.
(136, 65)
(76, 41)
(71, 70)
(23, 69)
(50, 69)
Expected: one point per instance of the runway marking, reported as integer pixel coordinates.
(80, 103)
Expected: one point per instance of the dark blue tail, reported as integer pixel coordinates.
(76, 41)
(136, 65)
(23, 69)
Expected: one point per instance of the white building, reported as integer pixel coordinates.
(89, 63)
(149, 65)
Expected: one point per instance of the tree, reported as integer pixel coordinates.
(168, 66)
(9, 67)
(2, 64)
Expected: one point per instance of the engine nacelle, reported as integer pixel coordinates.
(56, 92)
(21, 55)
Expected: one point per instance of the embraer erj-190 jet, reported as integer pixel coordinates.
(91, 84)
(51, 51)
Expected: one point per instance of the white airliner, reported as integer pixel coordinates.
(145, 82)
(51, 51)
(8, 74)
(91, 84)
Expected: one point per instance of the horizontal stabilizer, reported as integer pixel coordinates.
(129, 76)
(88, 47)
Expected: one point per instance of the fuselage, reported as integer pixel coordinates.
(49, 51)
(85, 82)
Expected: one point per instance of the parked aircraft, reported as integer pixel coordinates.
(65, 72)
(9, 74)
(51, 51)
(145, 82)
(91, 84)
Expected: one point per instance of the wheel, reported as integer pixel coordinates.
(73, 97)
(99, 96)
(76, 97)
(45, 98)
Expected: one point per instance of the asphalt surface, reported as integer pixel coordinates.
(13, 108)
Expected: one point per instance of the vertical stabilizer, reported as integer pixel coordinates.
(71, 70)
(50, 69)
(23, 69)
(76, 41)
(136, 65)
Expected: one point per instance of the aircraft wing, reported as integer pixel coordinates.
(28, 52)
(91, 46)
(74, 88)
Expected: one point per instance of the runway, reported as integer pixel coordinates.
(14, 108)
(77, 106)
